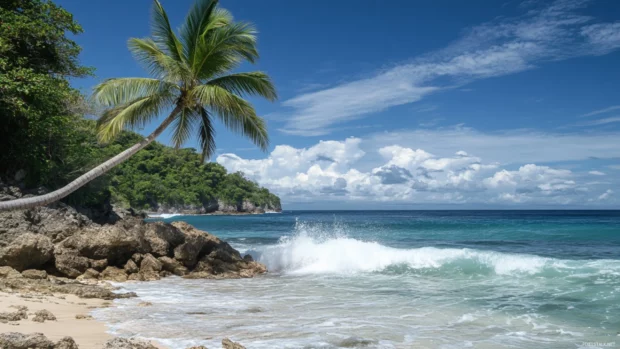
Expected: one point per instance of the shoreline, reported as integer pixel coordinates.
(179, 214)
(72, 314)
(73, 318)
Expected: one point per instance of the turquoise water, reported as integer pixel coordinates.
(397, 279)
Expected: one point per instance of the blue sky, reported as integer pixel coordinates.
(414, 104)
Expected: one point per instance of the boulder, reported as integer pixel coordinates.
(99, 264)
(228, 344)
(66, 343)
(9, 273)
(124, 343)
(89, 274)
(173, 266)
(150, 264)
(20, 314)
(34, 274)
(27, 252)
(162, 238)
(43, 315)
(14, 340)
(144, 276)
(115, 243)
(70, 263)
(113, 274)
(131, 267)
(197, 243)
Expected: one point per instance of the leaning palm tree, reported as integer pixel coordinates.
(191, 75)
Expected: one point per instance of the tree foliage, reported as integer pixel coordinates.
(43, 130)
(37, 104)
(161, 175)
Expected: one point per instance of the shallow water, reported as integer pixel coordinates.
(397, 279)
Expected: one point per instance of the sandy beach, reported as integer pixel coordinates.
(87, 332)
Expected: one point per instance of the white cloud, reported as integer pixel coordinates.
(599, 122)
(356, 170)
(605, 37)
(488, 50)
(596, 173)
(506, 147)
(602, 111)
(606, 195)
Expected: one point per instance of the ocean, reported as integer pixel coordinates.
(396, 279)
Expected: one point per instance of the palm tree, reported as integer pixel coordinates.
(190, 75)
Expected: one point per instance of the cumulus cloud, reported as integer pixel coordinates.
(596, 173)
(342, 171)
(606, 195)
(501, 47)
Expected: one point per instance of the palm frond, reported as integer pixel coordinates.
(235, 113)
(183, 126)
(117, 91)
(252, 83)
(163, 34)
(206, 136)
(132, 114)
(159, 64)
(223, 49)
(199, 19)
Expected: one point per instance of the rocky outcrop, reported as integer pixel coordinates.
(14, 340)
(125, 343)
(228, 344)
(11, 280)
(220, 207)
(60, 241)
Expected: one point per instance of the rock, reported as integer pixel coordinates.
(29, 251)
(43, 315)
(228, 344)
(150, 264)
(89, 274)
(83, 317)
(34, 274)
(116, 243)
(145, 304)
(113, 274)
(162, 238)
(144, 276)
(14, 340)
(70, 263)
(197, 243)
(99, 264)
(131, 267)
(66, 343)
(9, 273)
(55, 285)
(137, 257)
(20, 314)
(124, 343)
(173, 266)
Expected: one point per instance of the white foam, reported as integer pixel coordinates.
(165, 215)
(303, 254)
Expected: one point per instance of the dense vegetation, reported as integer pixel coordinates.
(44, 132)
(37, 105)
(161, 175)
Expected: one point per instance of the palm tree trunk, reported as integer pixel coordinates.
(88, 176)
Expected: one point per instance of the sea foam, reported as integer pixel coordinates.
(305, 253)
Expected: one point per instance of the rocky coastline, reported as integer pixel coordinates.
(60, 250)
(217, 207)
